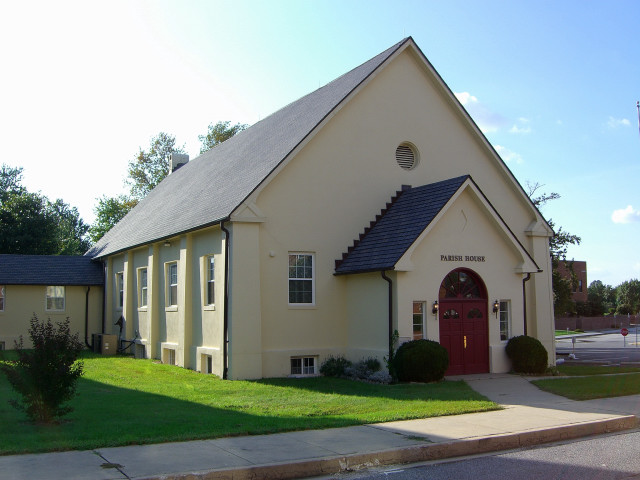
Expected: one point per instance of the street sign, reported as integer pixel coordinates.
(624, 332)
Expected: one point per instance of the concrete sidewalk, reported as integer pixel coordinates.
(529, 417)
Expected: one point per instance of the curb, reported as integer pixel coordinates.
(413, 454)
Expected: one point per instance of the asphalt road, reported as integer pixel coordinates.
(607, 457)
(606, 348)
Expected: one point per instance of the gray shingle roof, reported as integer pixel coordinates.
(49, 270)
(207, 189)
(399, 227)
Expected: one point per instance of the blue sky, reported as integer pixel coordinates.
(552, 84)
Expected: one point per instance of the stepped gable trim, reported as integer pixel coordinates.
(394, 231)
(372, 224)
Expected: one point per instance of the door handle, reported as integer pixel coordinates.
(465, 341)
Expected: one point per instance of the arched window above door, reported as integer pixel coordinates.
(462, 284)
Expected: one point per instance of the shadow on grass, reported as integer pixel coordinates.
(122, 401)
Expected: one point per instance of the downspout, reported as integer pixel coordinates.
(104, 296)
(524, 299)
(225, 327)
(388, 280)
(86, 320)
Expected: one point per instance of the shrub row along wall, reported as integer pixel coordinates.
(595, 323)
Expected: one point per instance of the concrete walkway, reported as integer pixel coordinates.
(529, 417)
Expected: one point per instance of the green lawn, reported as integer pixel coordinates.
(568, 332)
(578, 370)
(122, 401)
(598, 382)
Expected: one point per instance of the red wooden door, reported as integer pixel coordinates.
(464, 333)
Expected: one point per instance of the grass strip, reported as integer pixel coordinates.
(122, 401)
(579, 370)
(593, 386)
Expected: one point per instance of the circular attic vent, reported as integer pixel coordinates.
(406, 156)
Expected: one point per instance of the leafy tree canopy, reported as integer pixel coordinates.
(218, 133)
(31, 224)
(109, 211)
(628, 294)
(151, 166)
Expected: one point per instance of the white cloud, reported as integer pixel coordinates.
(509, 156)
(618, 122)
(486, 120)
(518, 129)
(625, 215)
(521, 126)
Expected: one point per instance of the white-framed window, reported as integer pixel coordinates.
(172, 284)
(120, 288)
(505, 319)
(54, 299)
(301, 279)
(303, 365)
(2, 298)
(142, 287)
(418, 320)
(211, 280)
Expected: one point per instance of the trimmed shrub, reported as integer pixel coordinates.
(420, 361)
(527, 354)
(45, 376)
(334, 366)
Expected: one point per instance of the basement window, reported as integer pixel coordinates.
(303, 365)
(407, 156)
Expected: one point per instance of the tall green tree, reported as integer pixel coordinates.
(109, 211)
(71, 232)
(10, 181)
(628, 297)
(31, 224)
(558, 246)
(218, 133)
(601, 298)
(151, 166)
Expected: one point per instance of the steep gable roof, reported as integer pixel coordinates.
(392, 235)
(206, 190)
(402, 225)
(49, 270)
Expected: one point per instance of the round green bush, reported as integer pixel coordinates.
(334, 366)
(420, 361)
(527, 354)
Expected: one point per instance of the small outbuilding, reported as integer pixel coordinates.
(49, 286)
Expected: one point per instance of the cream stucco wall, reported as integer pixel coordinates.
(22, 301)
(326, 195)
(191, 329)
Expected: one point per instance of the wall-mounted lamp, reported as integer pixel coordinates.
(167, 243)
(435, 307)
(496, 307)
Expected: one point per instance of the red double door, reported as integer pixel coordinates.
(464, 332)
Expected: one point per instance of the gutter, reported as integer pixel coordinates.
(388, 280)
(225, 328)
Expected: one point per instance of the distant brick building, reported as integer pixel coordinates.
(579, 289)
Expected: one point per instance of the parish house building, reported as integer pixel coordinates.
(372, 205)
